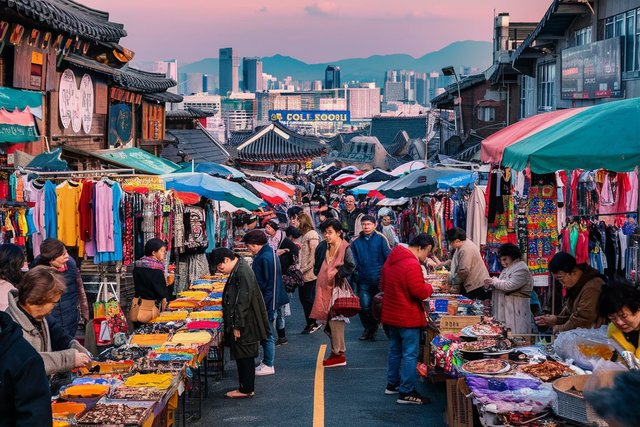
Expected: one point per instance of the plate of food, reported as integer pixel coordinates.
(487, 367)
(480, 346)
(548, 370)
(486, 330)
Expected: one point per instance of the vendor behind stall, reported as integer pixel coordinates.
(620, 303)
(583, 285)
(38, 294)
(468, 270)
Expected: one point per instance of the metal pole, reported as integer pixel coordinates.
(459, 103)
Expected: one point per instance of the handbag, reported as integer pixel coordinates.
(293, 277)
(345, 302)
(376, 306)
(143, 310)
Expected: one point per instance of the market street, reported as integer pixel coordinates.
(354, 393)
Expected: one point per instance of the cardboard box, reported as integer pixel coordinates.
(452, 324)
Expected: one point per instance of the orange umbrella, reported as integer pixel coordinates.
(283, 186)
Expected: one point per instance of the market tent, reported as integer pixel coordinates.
(270, 194)
(341, 179)
(344, 170)
(494, 145)
(137, 159)
(217, 169)
(214, 188)
(374, 175)
(408, 167)
(47, 162)
(602, 136)
(430, 180)
(393, 202)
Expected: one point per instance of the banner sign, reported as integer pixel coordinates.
(310, 116)
(592, 71)
(75, 105)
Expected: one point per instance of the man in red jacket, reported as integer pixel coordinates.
(402, 282)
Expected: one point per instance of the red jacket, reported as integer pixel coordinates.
(404, 289)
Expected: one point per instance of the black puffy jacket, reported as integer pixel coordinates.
(24, 388)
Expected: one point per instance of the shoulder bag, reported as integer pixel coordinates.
(344, 300)
(143, 310)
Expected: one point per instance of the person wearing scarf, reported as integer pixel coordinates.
(148, 274)
(334, 264)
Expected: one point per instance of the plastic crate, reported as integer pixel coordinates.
(572, 406)
(459, 406)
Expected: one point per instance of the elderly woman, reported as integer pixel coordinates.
(12, 260)
(512, 291)
(307, 292)
(53, 253)
(583, 285)
(245, 317)
(333, 264)
(620, 304)
(39, 293)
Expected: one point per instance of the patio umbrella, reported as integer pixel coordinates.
(270, 194)
(366, 188)
(602, 136)
(211, 168)
(282, 186)
(341, 179)
(408, 167)
(346, 169)
(214, 188)
(393, 202)
(427, 181)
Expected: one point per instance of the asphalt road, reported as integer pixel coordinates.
(352, 395)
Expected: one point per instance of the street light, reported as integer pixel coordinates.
(451, 71)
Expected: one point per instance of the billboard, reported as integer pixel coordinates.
(310, 116)
(592, 71)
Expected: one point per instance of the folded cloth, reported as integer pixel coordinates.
(162, 381)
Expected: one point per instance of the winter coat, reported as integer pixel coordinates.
(618, 336)
(73, 301)
(5, 288)
(287, 259)
(369, 253)
(150, 284)
(580, 309)
(511, 298)
(348, 221)
(328, 276)
(345, 269)
(404, 290)
(243, 308)
(308, 244)
(24, 389)
(266, 267)
(57, 349)
(467, 267)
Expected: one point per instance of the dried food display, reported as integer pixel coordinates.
(119, 414)
(546, 371)
(478, 346)
(137, 393)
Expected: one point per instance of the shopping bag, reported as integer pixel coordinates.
(344, 300)
(102, 331)
(108, 306)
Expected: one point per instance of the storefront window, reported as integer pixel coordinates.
(627, 26)
(546, 86)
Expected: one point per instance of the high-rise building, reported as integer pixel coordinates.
(205, 83)
(332, 77)
(169, 68)
(252, 75)
(239, 112)
(433, 85)
(229, 64)
(363, 102)
(422, 89)
(192, 83)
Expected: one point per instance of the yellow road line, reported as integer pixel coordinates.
(318, 390)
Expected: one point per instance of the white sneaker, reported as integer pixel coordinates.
(263, 370)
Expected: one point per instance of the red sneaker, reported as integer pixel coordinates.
(335, 360)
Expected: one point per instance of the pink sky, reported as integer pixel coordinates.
(310, 30)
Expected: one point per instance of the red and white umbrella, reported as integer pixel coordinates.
(341, 179)
(270, 194)
(282, 186)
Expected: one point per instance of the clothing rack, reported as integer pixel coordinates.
(95, 172)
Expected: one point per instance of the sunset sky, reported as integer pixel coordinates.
(309, 30)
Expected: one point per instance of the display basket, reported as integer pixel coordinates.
(572, 406)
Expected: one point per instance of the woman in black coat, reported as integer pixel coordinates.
(245, 317)
(148, 274)
(24, 388)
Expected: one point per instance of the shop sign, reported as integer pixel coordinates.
(120, 125)
(75, 105)
(309, 116)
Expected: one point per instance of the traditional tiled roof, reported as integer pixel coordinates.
(126, 77)
(276, 143)
(386, 128)
(188, 113)
(238, 137)
(198, 144)
(162, 97)
(70, 17)
(336, 142)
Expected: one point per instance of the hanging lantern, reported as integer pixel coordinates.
(16, 35)
(45, 40)
(34, 36)
(57, 44)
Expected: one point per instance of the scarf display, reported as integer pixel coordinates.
(150, 262)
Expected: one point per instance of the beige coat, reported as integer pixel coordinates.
(306, 258)
(5, 288)
(54, 361)
(511, 298)
(467, 267)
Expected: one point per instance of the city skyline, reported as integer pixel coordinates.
(312, 31)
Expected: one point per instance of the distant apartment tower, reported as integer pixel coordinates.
(422, 89)
(205, 83)
(169, 68)
(363, 102)
(228, 70)
(433, 85)
(332, 77)
(192, 83)
(252, 75)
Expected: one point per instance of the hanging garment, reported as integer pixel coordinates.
(50, 206)
(116, 254)
(104, 217)
(68, 200)
(35, 195)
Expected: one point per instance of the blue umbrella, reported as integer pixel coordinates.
(212, 169)
(213, 188)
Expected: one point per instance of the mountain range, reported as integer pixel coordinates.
(458, 54)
